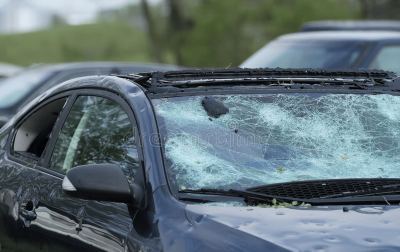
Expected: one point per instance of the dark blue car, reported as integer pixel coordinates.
(205, 160)
(19, 89)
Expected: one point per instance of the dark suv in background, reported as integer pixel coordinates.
(334, 44)
(20, 89)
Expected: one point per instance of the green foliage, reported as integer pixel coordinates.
(286, 16)
(57, 20)
(227, 32)
(218, 36)
(95, 42)
(128, 14)
(213, 33)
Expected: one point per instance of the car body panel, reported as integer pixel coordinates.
(304, 229)
(57, 215)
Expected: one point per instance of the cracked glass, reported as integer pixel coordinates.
(274, 138)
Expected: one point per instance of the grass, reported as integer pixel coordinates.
(94, 42)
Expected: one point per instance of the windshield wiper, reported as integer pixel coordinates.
(251, 198)
(378, 191)
(370, 195)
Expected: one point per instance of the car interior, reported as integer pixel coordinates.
(33, 134)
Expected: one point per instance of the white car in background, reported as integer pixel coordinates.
(334, 45)
(7, 70)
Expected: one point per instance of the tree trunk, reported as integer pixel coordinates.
(151, 33)
(176, 26)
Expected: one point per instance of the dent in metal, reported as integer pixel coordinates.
(308, 229)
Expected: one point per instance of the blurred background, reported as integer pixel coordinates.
(195, 33)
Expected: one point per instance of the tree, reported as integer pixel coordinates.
(57, 20)
(151, 32)
(382, 9)
(225, 33)
(177, 25)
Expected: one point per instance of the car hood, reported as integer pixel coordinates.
(316, 228)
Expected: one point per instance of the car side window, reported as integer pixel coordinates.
(33, 133)
(97, 130)
(388, 58)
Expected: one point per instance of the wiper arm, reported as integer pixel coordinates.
(252, 198)
(381, 190)
(255, 198)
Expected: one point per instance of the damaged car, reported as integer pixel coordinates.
(21, 88)
(206, 160)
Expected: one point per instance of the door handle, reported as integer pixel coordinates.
(28, 213)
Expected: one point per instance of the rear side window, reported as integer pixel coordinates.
(97, 130)
(34, 132)
(387, 59)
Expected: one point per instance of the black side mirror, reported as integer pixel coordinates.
(102, 182)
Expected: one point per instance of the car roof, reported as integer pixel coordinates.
(341, 35)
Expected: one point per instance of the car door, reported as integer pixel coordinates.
(98, 129)
(95, 127)
(25, 183)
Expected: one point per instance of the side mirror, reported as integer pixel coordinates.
(102, 182)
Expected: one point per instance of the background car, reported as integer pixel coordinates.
(7, 70)
(19, 90)
(205, 160)
(333, 45)
(351, 25)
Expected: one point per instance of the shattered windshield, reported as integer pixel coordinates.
(272, 138)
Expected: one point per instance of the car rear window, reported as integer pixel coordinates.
(312, 54)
